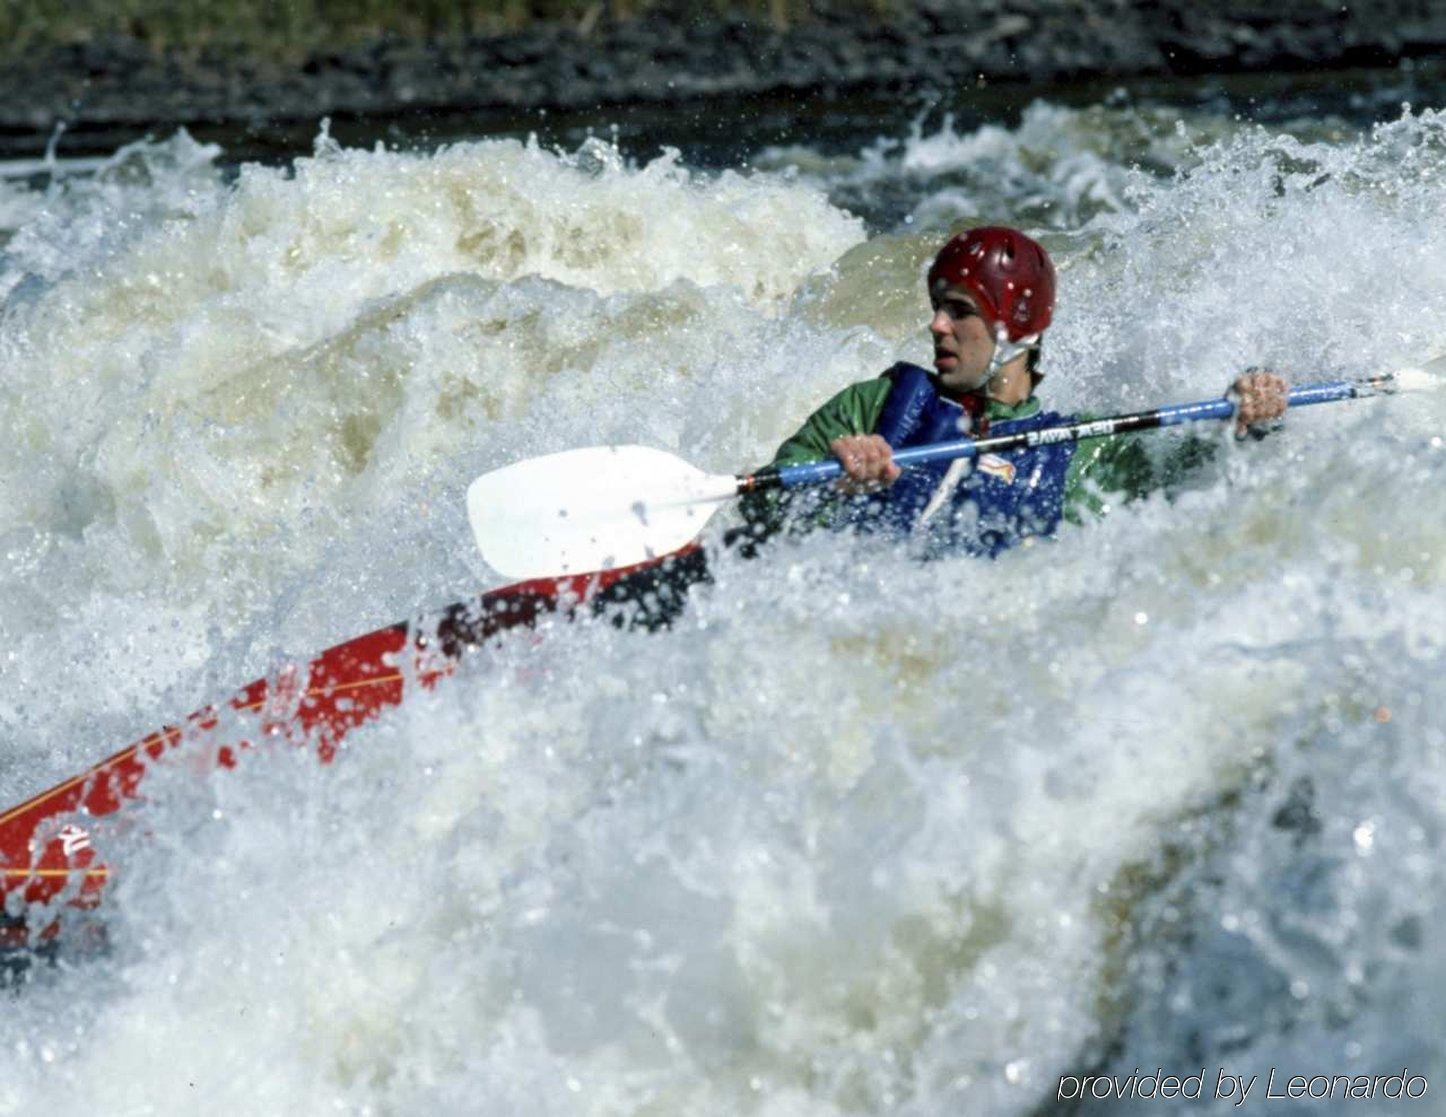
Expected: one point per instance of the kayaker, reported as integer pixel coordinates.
(992, 291)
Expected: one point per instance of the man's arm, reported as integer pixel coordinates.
(1120, 469)
(853, 411)
(1105, 470)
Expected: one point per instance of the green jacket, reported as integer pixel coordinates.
(1114, 467)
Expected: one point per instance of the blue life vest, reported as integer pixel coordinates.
(999, 501)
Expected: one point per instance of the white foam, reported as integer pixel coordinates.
(859, 835)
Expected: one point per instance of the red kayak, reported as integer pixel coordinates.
(46, 853)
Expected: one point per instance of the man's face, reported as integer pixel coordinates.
(963, 344)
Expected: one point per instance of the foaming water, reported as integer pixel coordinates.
(857, 835)
(1058, 168)
(245, 412)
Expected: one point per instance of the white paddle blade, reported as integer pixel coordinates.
(591, 509)
(1427, 377)
(1415, 380)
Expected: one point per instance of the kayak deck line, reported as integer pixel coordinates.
(160, 737)
(48, 864)
(93, 871)
(169, 737)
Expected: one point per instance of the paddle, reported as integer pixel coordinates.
(608, 506)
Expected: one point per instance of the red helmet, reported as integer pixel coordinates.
(1009, 273)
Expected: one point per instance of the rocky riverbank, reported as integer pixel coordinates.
(672, 55)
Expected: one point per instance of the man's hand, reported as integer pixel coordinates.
(1259, 398)
(867, 459)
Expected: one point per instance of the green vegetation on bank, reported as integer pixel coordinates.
(302, 25)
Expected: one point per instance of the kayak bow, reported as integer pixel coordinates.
(49, 863)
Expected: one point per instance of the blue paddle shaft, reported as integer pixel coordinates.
(811, 473)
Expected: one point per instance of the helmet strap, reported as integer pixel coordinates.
(1006, 351)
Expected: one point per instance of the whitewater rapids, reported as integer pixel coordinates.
(858, 835)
